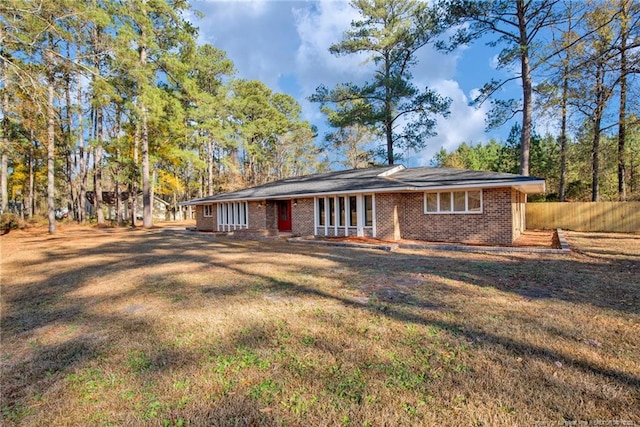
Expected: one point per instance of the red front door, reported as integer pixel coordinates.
(284, 215)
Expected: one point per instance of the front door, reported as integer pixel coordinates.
(284, 215)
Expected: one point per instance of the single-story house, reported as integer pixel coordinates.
(388, 203)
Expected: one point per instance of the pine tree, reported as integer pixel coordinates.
(391, 33)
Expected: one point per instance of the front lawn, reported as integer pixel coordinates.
(151, 327)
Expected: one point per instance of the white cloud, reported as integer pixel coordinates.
(253, 7)
(285, 44)
(464, 124)
(258, 36)
(318, 28)
(494, 62)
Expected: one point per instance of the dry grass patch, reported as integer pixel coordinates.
(149, 327)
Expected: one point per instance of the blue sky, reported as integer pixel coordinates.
(285, 44)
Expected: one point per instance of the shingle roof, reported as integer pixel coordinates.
(430, 177)
(379, 179)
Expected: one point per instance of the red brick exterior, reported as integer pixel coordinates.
(302, 219)
(271, 212)
(206, 223)
(257, 216)
(400, 216)
(389, 212)
(493, 225)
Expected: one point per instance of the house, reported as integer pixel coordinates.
(110, 204)
(388, 203)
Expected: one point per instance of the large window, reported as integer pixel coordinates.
(453, 202)
(353, 211)
(332, 211)
(341, 211)
(232, 215)
(368, 211)
(208, 210)
(345, 211)
(321, 211)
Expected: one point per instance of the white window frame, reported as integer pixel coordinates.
(360, 213)
(452, 212)
(231, 216)
(207, 211)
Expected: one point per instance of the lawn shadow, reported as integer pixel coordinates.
(394, 279)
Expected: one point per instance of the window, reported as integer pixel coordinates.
(474, 200)
(368, 211)
(341, 209)
(332, 211)
(232, 215)
(344, 211)
(353, 211)
(445, 202)
(432, 202)
(321, 211)
(459, 201)
(208, 210)
(453, 202)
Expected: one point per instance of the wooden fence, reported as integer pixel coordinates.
(619, 217)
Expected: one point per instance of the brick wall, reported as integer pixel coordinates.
(302, 220)
(402, 216)
(389, 211)
(494, 225)
(257, 216)
(271, 211)
(206, 223)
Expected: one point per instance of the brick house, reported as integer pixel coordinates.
(388, 203)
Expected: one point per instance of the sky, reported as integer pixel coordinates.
(285, 44)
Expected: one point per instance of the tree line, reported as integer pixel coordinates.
(116, 96)
(576, 65)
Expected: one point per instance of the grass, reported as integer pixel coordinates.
(146, 327)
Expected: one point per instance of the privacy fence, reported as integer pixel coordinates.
(619, 217)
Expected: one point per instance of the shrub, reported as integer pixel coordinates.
(8, 222)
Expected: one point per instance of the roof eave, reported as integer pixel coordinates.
(528, 187)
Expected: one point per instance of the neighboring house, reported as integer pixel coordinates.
(109, 205)
(389, 203)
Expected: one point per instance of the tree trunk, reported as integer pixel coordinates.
(622, 119)
(595, 162)
(525, 137)
(133, 188)
(147, 220)
(152, 189)
(69, 142)
(70, 185)
(595, 147)
(50, 142)
(31, 199)
(97, 176)
(209, 168)
(117, 193)
(563, 134)
(388, 122)
(84, 163)
(4, 168)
